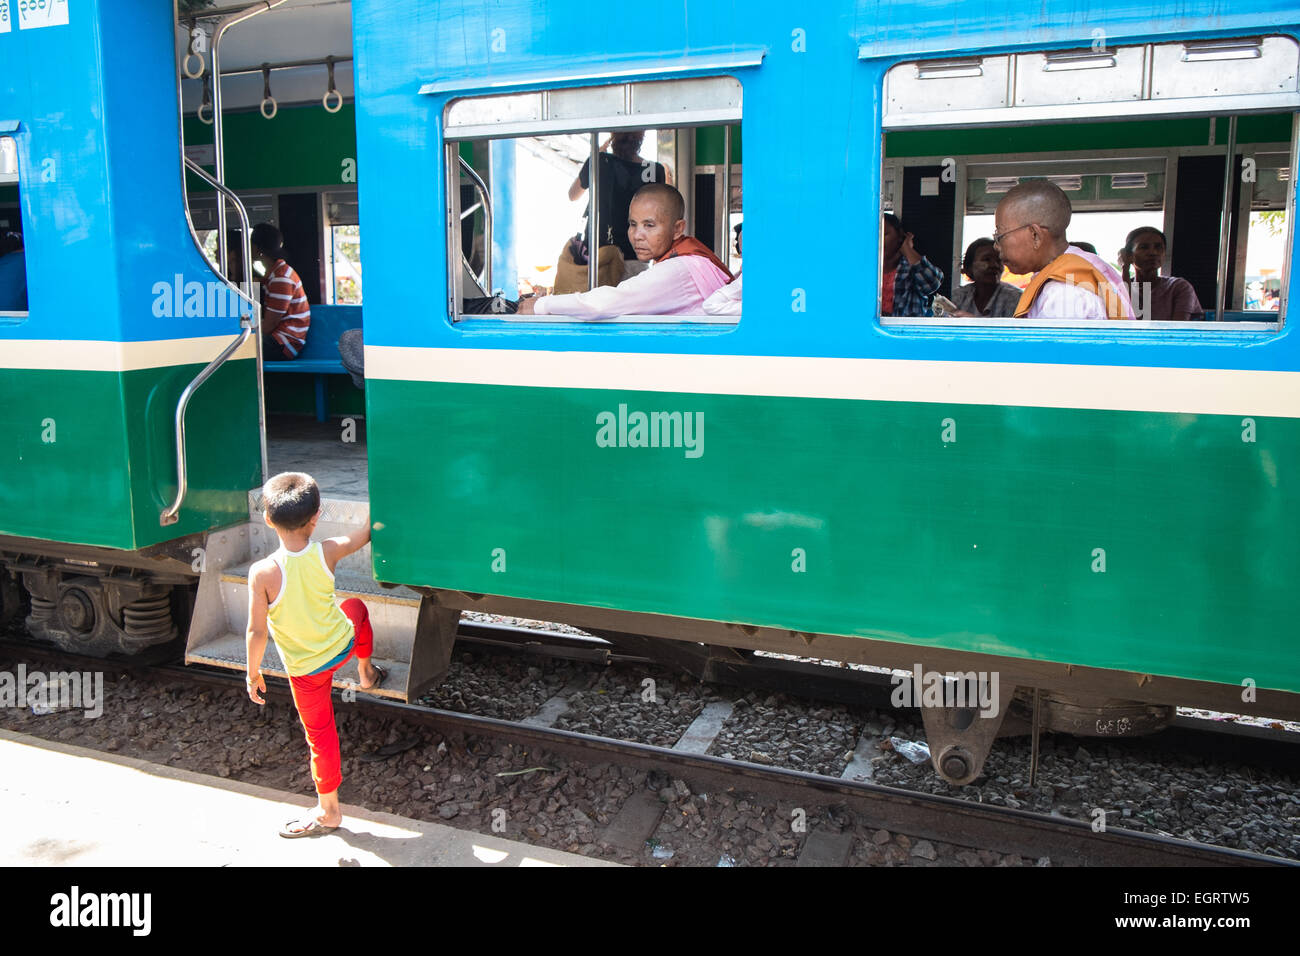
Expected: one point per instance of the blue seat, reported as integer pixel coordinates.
(321, 356)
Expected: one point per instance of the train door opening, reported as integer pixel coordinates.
(290, 157)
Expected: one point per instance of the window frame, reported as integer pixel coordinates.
(581, 125)
(1106, 111)
(10, 133)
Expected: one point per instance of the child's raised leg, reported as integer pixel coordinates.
(355, 609)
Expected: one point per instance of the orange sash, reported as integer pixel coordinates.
(1067, 267)
(690, 246)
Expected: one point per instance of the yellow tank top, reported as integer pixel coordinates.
(308, 627)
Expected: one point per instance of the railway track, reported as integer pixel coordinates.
(921, 816)
(1257, 745)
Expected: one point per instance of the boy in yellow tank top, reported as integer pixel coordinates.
(291, 594)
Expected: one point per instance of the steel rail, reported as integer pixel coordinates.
(928, 816)
(285, 65)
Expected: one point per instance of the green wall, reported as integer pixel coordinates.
(710, 145)
(302, 146)
(1085, 137)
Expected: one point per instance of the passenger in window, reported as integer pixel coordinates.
(908, 280)
(13, 273)
(622, 172)
(986, 294)
(726, 301)
(1272, 299)
(682, 271)
(286, 316)
(1068, 282)
(1156, 298)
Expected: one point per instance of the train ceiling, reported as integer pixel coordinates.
(294, 31)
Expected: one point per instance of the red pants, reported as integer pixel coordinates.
(311, 695)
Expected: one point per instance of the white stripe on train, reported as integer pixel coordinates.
(1109, 387)
(94, 356)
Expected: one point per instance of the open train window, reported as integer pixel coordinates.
(521, 220)
(342, 248)
(13, 255)
(1172, 164)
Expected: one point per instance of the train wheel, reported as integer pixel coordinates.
(101, 615)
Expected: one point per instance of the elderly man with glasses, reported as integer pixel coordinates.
(1068, 282)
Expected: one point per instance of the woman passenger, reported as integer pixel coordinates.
(1155, 297)
(987, 294)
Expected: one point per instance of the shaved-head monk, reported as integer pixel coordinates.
(683, 271)
(1068, 282)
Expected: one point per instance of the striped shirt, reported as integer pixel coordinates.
(285, 313)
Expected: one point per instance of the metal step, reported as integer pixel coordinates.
(228, 651)
(398, 615)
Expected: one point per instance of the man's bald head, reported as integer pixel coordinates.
(667, 197)
(1041, 202)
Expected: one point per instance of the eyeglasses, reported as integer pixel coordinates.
(999, 236)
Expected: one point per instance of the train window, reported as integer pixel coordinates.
(13, 256)
(1148, 184)
(521, 219)
(343, 248)
(203, 216)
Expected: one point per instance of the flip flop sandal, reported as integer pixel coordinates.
(314, 828)
(383, 675)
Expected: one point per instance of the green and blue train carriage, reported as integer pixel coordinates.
(1106, 510)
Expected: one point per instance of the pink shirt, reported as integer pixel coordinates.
(677, 286)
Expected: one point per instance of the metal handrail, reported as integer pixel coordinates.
(217, 136)
(485, 280)
(246, 253)
(172, 514)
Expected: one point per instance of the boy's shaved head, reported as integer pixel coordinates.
(291, 500)
(1039, 201)
(668, 198)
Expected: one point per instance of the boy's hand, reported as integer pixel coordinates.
(256, 687)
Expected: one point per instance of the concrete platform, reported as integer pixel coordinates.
(69, 806)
